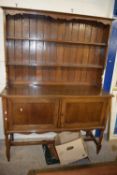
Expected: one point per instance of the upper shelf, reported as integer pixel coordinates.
(58, 41)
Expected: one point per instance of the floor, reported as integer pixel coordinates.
(25, 158)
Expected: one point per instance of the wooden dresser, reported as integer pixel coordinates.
(54, 64)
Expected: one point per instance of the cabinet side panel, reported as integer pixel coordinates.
(5, 113)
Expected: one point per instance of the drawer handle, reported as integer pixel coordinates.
(69, 148)
(5, 118)
(21, 109)
(5, 112)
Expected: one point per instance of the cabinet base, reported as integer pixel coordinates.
(9, 140)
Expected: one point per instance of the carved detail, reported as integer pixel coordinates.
(60, 16)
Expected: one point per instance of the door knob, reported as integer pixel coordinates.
(21, 109)
(5, 118)
(5, 112)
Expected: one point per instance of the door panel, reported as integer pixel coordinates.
(42, 113)
(27, 113)
(83, 112)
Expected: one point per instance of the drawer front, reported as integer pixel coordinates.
(84, 113)
(34, 114)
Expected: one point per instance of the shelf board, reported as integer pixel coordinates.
(50, 90)
(58, 41)
(42, 82)
(73, 65)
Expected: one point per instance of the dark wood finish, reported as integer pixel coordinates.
(54, 65)
(54, 91)
(57, 47)
(83, 112)
(97, 169)
(23, 143)
(97, 141)
(32, 113)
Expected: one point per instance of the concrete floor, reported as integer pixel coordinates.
(25, 158)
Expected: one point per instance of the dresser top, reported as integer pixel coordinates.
(53, 91)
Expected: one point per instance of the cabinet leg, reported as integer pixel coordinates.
(98, 148)
(12, 137)
(100, 141)
(87, 133)
(7, 146)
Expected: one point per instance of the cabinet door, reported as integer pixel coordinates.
(84, 113)
(33, 114)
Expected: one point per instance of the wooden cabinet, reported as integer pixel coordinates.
(54, 66)
(28, 114)
(48, 114)
(84, 112)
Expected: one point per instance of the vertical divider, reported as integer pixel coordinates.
(36, 63)
(58, 73)
(42, 72)
(14, 53)
(22, 41)
(29, 73)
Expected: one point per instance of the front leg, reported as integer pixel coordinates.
(7, 146)
(12, 137)
(99, 145)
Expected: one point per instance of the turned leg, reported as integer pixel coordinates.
(7, 146)
(100, 141)
(87, 133)
(12, 137)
